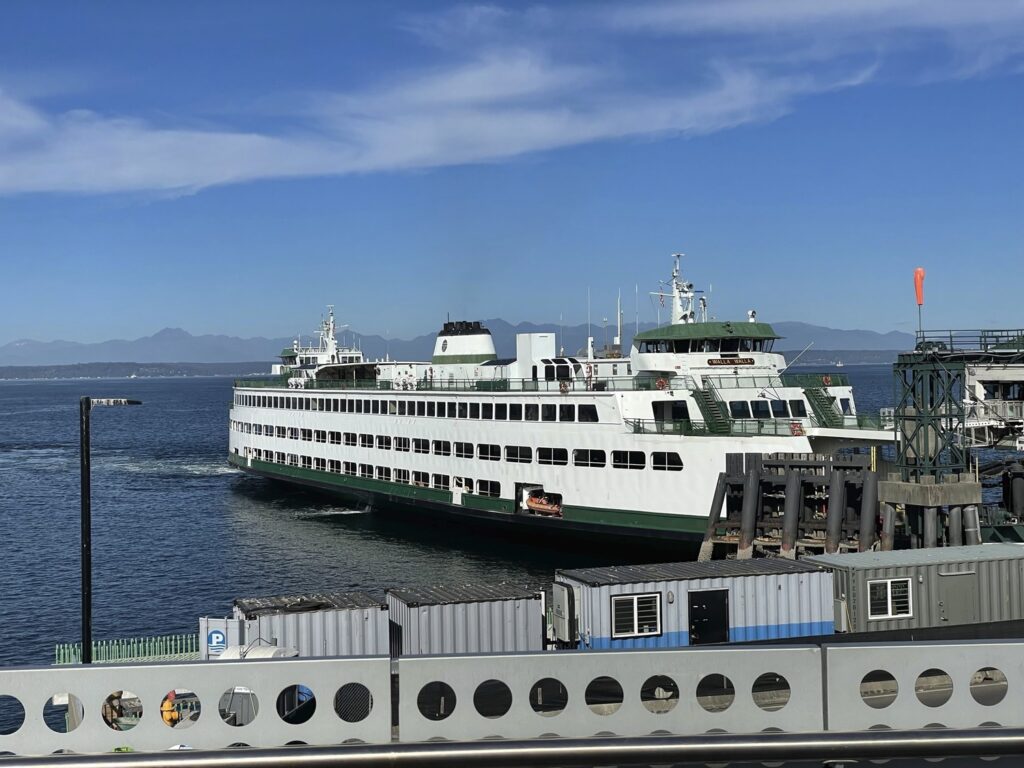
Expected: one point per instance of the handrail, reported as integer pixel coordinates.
(740, 427)
(621, 384)
(971, 340)
(819, 747)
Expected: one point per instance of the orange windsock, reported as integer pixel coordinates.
(919, 285)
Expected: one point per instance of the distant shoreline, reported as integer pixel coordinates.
(82, 371)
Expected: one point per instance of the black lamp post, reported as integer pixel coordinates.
(85, 407)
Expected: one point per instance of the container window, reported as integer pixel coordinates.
(889, 599)
(636, 615)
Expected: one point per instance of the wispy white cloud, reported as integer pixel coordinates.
(515, 82)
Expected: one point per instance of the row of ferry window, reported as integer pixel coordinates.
(667, 461)
(430, 408)
(685, 346)
(778, 409)
(490, 488)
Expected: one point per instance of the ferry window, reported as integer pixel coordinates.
(488, 488)
(257, 429)
(487, 411)
(320, 404)
(401, 407)
(562, 372)
(279, 457)
(566, 412)
(421, 408)
(402, 444)
(515, 412)
(739, 409)
(464, 450)
(335, 405)
(359, 406)
(349, 467)
(375, 408)
(334, 438)
(366, 406)
(844, 403)
(441, 410)
(666, 461)
(334, 466)
(320, 436)
(500, 412)
(307, 462)
(421, 479)
(402, 476)
(535, 373)
(293, 433)
(532, 411)
(442, 448)
(343, 405)
(518, 454)
(588, 413)
(384, 442)
(730, 345)
(320, 464)
(889, 599)
(547, 412)
(558, 457)
(365, 441)
(441, 482)
(366, 470)
(549, 373)
(628, 459)
(451, 410)
(293, 460)
(384, 473)
(779, 409)
(464, 483)
(431, 408)
(350, 438)
(474, 410)
(281, 432)
(392, 407)
(760, 409)
(488, 452)
(585, 458)
(636, 615)
(419, 445)
(463, 410)
(798, 408)
(268, 430)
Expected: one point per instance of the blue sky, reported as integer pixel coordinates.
(232, 167)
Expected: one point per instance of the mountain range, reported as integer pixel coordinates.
(174, 345)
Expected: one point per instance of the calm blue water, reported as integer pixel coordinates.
(178, 534)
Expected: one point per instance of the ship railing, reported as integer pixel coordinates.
(804, 380)
(132, 649)
(782, 426)
(622, 384)
(745, 382)
(985, 340)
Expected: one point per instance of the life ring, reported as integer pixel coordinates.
(796, 429)
(590, 370)
(826, 380)
(563, 385)
(661, 384)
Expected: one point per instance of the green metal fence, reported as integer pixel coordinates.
(132, 649)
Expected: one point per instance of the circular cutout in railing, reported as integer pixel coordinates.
(436, 700)
(715, 693)
(771, 692)
(878, 689)
(63, 712)
(296, 704)
(12, 715)
(180, 708)
(353, 702)
(121, 710)
(238, 706)
(988, 686)
(933, 687)
(603, 695)
(548, 697)
(659, 694)
(492, 699)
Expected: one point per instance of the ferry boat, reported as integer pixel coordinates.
(606, 445)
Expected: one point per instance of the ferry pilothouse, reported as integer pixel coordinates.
(608, 445)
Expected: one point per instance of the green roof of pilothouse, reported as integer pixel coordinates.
(710, 330)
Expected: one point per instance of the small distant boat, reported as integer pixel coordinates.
(839, 363)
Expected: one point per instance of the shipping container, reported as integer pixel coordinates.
(314, 624)
(918, 588)
(670, 605)
(465, 619)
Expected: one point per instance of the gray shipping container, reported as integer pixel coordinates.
(688, 603)
(314, 624)
(917, 588)
(465, 619)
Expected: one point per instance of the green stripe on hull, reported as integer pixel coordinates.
(591, 516)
